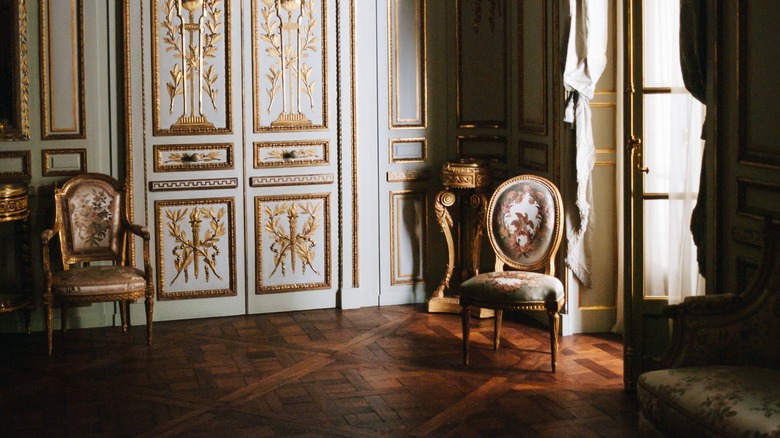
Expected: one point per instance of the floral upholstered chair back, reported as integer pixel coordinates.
(89, 209)
(524, 224)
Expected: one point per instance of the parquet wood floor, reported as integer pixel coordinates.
(393, 371)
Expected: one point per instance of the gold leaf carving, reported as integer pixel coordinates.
(194, 249)
(288, 241)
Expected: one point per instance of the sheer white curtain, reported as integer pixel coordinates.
(673, 150)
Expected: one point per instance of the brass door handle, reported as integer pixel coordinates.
(635, 148)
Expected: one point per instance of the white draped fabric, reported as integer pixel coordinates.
(673, 151)
(586, 59)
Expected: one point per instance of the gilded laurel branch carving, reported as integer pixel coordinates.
(289, 41)
(288, 242)
(204, 34)
(194, 249)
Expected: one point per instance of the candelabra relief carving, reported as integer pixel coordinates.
(287, 31)
(194, 37)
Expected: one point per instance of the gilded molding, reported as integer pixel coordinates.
(48, 129)
(188, 157)
(25, 168)
(420, 79)
(525, 159)
(293, 243)
(532, 126)
(291, 153)
(291, 180)
(19, 127)
(47, 155)
(196, 184)
(193, 103)
(395, 150)
(289, 92)
(408, 176)
(418, 231)
(487, 41)
(200, 234)
(481, 150)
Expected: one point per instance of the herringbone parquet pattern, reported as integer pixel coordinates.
(393, 371)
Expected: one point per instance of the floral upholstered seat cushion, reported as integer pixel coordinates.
(92, 280)
(512, 286)
(711, 401)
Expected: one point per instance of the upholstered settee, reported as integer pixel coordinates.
(721, 375)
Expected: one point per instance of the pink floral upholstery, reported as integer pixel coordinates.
(98, 280)
(710, 401)
(523, 221)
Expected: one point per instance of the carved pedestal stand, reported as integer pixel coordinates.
(467, 176)
(14, 207)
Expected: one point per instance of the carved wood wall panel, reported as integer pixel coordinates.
(757, 129)
(408, 236)
(289, 46)
(63, 112)
(15, 164)
(483, 56)
(191, 44)
(293, 242)
(532, 87)
(14, 79)
(196, 244)
(407, 55)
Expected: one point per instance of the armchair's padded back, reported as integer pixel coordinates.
(524, 222)
(89, 211)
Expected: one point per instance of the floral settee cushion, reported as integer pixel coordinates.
(93, 280)
(710, 401)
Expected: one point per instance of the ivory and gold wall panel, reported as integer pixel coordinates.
(482, 32)
(193, 157)
(293, 242)
(408, 236)
(192, 63)
(406, 45)
(289, 68)
(196, 244)
(291, 154)
(408, 150)
(62, 69)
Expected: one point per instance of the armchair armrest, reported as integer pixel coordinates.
(139, 230)
(731, 329)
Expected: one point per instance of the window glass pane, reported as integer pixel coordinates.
(661, 45)
(672, 141)
(669, 258)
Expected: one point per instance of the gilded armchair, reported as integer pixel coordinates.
(92, 225)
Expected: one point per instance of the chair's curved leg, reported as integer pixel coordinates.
(499, 317)
(466, 316)
(554, 319)
(149, 318)
(123, 315)
(49, 316)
